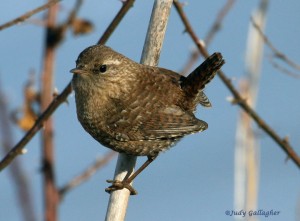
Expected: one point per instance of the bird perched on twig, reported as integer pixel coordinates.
(137, 109)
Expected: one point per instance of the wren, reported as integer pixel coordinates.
(137, 109)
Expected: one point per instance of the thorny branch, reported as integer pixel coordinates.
(276, 53)
(283, 143)
(28, 15)
(18, 149)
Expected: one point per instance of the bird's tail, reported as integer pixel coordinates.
(202, 75)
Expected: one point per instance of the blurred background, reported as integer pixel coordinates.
(201, 177)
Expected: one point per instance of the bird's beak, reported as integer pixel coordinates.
(77, 71)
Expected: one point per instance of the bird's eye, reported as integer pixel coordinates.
(102, 68)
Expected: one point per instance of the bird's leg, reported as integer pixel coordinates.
(118, 185)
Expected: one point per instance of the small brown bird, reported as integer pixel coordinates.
(137, 109)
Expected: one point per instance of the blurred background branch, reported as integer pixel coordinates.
(59, 99)
(86, 174)
(47, 142)
(276, 53)
(16, 170)
(214, 29)
(247, 147)
(28, 14)
(238, 99)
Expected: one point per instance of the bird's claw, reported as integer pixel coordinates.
(118, 185)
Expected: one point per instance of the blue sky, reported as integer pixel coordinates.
(193, 180)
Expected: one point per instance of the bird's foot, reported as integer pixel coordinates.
(118, 185)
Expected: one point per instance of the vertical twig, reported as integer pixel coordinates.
(247, 147)
(118, 201)
(50, 191)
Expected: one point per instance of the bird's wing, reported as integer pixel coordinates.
(158, 123)
(168, 122)
(153, 111)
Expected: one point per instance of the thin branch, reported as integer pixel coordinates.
(18, 149)
(193, 58)
(276, 53)
(210, 35)
(281, 68)
(116, 21)
(74, 12)
(28, 14)
(57, 33)
(61, 29)
(283, 143)
(86, 174)
(16, 171)
(218, 22)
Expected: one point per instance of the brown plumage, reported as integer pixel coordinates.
(137, 109)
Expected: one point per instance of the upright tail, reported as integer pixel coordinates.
(195, 82)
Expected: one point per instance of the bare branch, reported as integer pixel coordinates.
(218, 22)
(47, 141)
(210, 35)
(28, 14)
(74, 12)
(282, 69)
(283, 143)
(16, 171)
(276, 53)
(116, 21)
(58, 100)
(86, 174)
(19, 147)
(71, 18)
